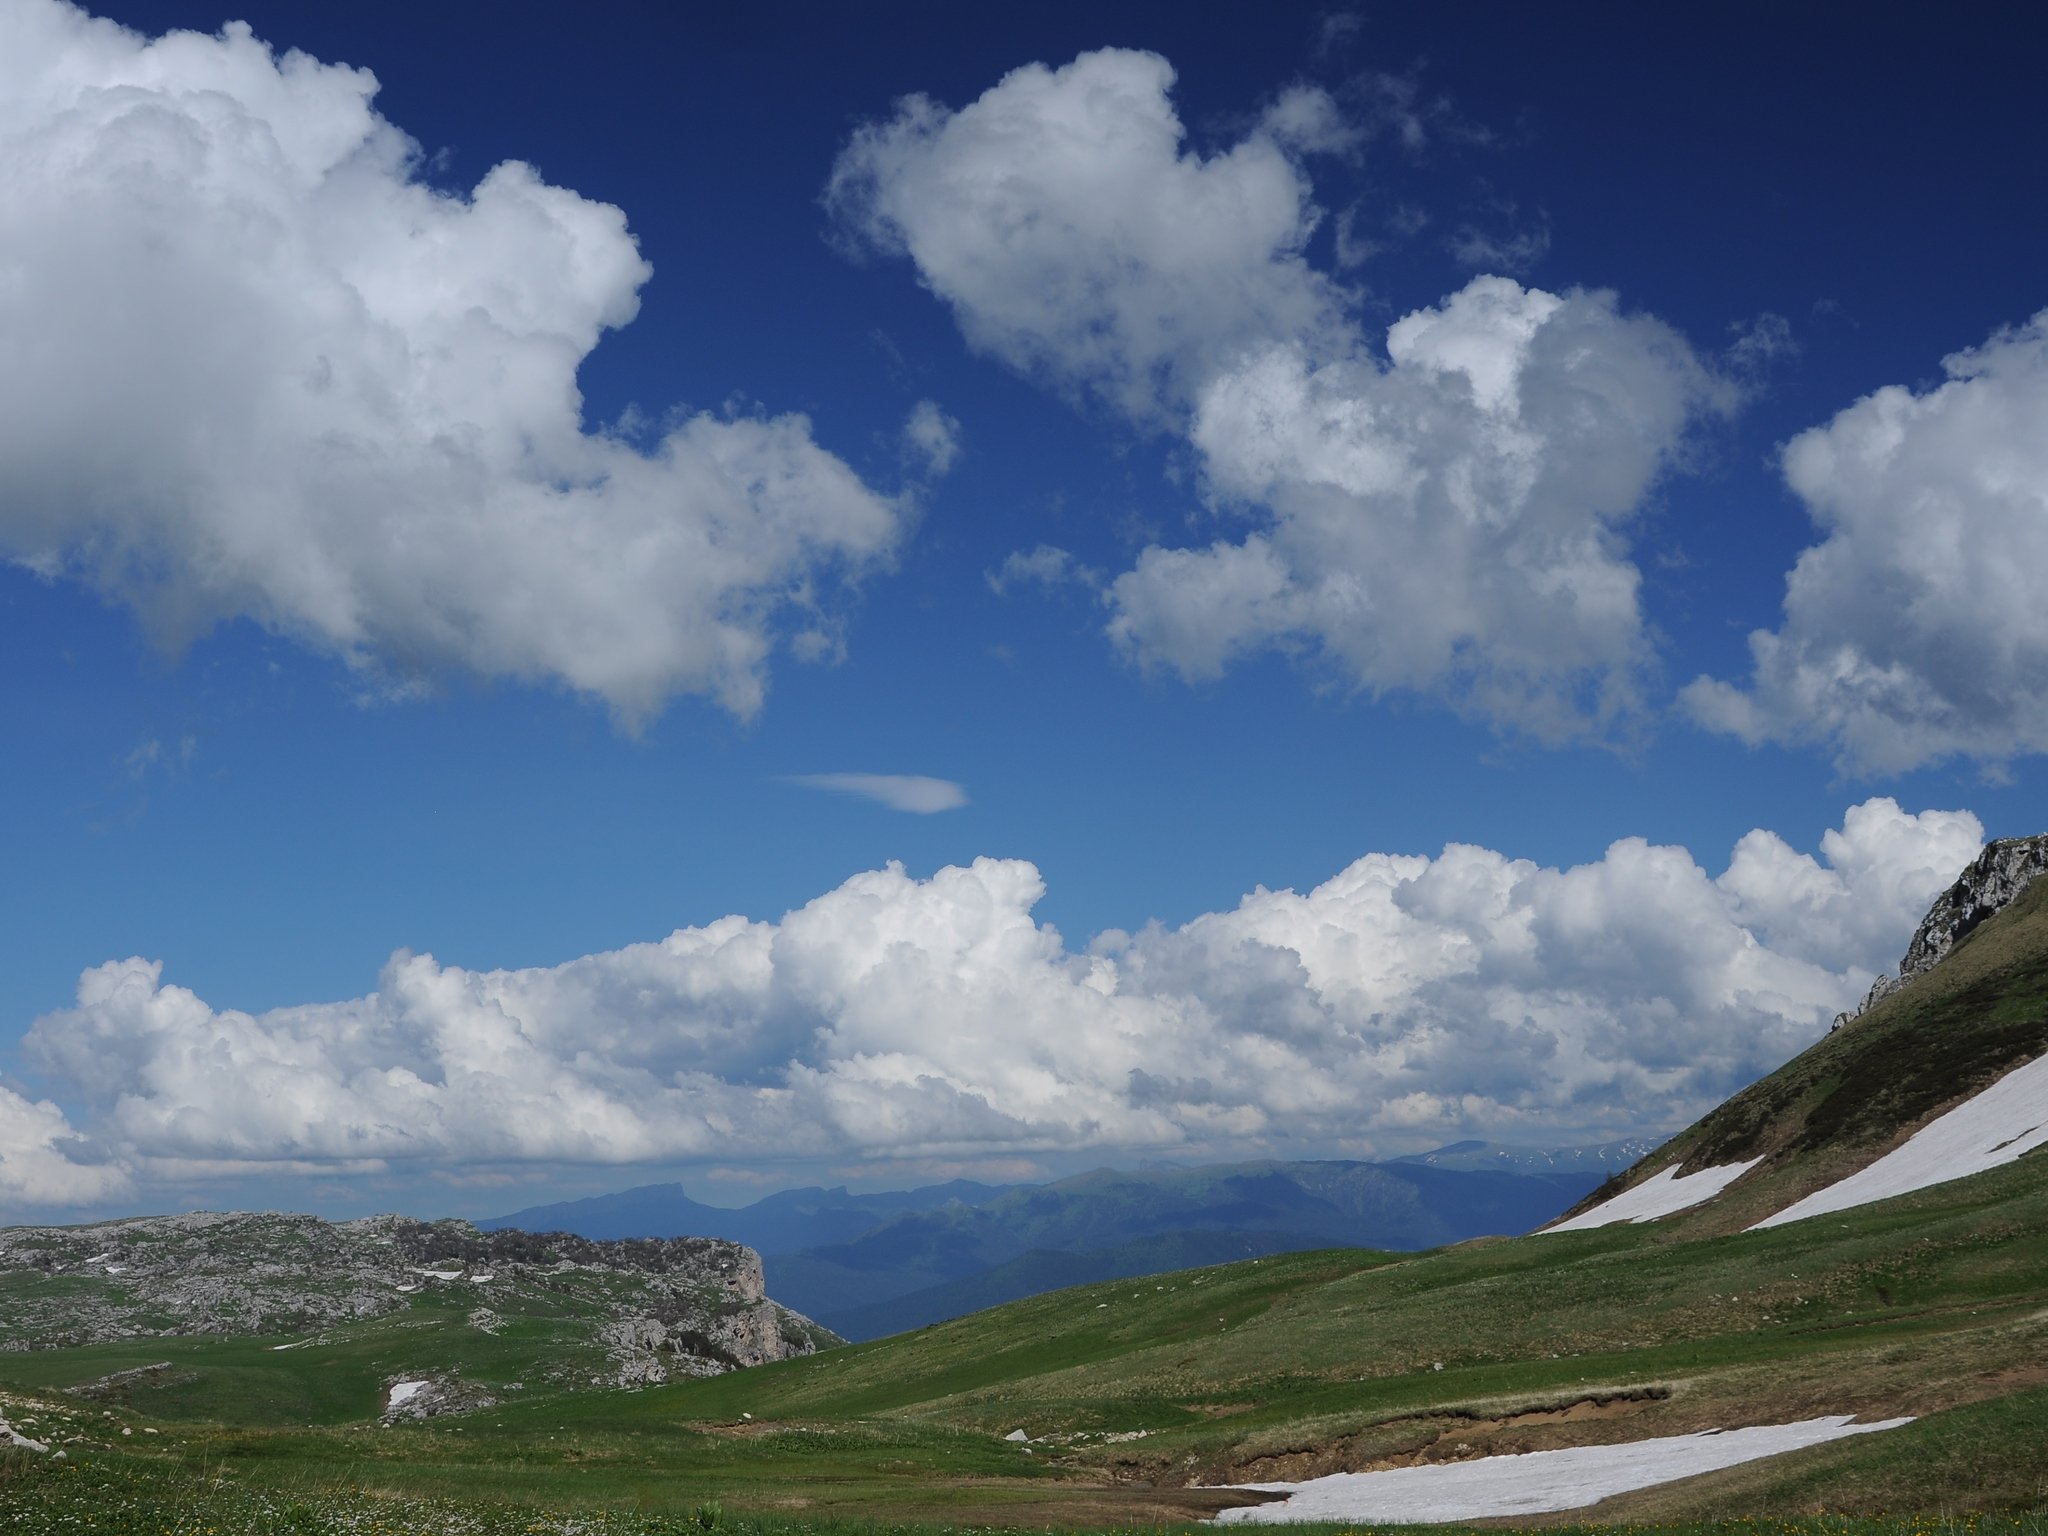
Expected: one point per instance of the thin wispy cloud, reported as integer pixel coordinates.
(912, 792)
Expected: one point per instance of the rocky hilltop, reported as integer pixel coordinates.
(1995, 879)
(647, 1308)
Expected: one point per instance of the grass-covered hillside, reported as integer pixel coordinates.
(1868, 1085)
(212, 1315)
(1935, 1305)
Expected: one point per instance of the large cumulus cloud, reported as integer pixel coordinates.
(251, 364)
(1446, 514)
(1915, 630)
(1406, 999)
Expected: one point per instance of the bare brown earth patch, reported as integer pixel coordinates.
(1447, 1434)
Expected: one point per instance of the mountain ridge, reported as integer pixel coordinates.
(950, 1246)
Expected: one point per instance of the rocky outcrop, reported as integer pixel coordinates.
(10, 1436)
(1996, 878)
(429, 1395)
(685, 1305)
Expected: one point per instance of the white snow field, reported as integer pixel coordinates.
(1994, 1127)
(1537, 1483)
(1659, 1195)
(403, 1392)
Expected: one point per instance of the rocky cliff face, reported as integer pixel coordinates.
(1994, 881)
(657, 1306)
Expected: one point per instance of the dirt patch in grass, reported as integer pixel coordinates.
(1449, 1434)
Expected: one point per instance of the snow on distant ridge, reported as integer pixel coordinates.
(1537, 1482)
(1989, 1129)
(1661, 1194)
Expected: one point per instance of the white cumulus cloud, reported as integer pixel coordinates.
(1059, 218)
(1446, 516)
(1449, 521)
(1407, 999)
(253, 365)
(899, 791)
(1914, 631)
(34, 1170)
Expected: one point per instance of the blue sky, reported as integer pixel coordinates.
(1394, 450)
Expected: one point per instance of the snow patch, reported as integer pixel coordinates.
(1538, 1482)
(1992, 1128)
(1662, 1194)
(403, 1392)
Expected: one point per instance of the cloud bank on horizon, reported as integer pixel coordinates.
(1407, 1000)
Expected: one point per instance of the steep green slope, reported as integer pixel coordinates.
(1867, 1086)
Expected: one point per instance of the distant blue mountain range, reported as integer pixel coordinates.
(871, 1264)
(785, 1222)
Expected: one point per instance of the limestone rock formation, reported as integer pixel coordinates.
(684, 1305)
(1995, 879)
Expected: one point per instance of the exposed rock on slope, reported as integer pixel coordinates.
(687, 1305)
(1996, 878)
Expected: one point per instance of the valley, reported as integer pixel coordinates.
(1140, 1401)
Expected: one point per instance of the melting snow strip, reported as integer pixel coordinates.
(1540, 1482)
(1994, 1127)
(1662, 1194)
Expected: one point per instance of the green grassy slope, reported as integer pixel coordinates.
(336, 1376)
(1936, 1304)
(1866, 1087)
